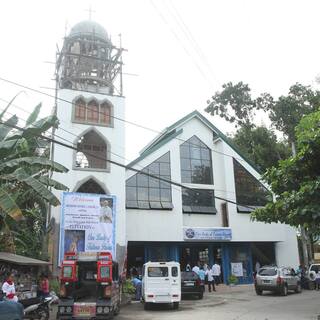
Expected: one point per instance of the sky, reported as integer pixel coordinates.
(179, 51)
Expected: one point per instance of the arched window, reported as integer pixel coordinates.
(105, 113)
(93, 111)
(80, 110)
(92, 152)
(91, 186)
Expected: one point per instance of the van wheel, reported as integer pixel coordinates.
(147, 306)
(284, 290)
(200, 296)
(176, 305)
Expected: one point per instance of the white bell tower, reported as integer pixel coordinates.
(89, 105)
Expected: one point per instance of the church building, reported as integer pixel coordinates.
(192, 200)
(208, 219)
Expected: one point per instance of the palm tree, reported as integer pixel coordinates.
(25, 180)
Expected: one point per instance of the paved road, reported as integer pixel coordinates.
(238, 303)
(232, 304)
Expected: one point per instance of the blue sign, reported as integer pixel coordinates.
(216, 234)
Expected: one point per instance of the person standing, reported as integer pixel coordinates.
(44, 285)
(257, 267)
(137, 285)
(202, 276)
(216, 269)
(196, 269)
(209, 274)
(8, 288)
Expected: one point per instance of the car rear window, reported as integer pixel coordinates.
(189, 275)
(157, 272)
(174, 271)
(268, 272)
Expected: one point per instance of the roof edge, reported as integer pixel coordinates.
(153, 145)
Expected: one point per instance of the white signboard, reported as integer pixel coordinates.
(217, 234)
(87, 223)
(237, 269)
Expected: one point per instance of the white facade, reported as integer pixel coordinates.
(89, 80)
(112, 182)
(167, 226)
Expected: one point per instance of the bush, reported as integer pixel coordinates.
(128, 287)
(54, 286)
(233, 279)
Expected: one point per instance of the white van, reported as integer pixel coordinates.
(161, 283)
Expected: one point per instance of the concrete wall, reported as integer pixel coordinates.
(153, 225)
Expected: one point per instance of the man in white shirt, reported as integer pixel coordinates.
(209, 274)
(196, 269)
(216, 269)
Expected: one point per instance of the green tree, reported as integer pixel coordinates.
(236, 105)
(296, 181)
(25, 182)
(261, 146)
(286, 112)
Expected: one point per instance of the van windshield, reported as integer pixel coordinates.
(157, 272)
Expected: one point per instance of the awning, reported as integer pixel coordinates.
(21, 260)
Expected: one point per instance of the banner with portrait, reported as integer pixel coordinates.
(87, 223)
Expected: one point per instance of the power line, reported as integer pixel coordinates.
(185, 29)
(117, 118)
(181, 43)
(123, 166)
(70, 102)
(115, 154)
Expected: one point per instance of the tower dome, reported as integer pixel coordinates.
(89, 61)
(89, 28)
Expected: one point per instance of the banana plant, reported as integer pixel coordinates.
(25, 172)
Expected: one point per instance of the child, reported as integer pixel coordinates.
(9, 289)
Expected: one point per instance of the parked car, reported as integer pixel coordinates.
(191, 284)
(310, 276)
(277, 279)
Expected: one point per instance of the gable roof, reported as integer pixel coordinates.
(173, 131)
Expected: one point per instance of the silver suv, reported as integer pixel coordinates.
(277, 279)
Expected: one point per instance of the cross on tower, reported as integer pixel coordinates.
(90, 12)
